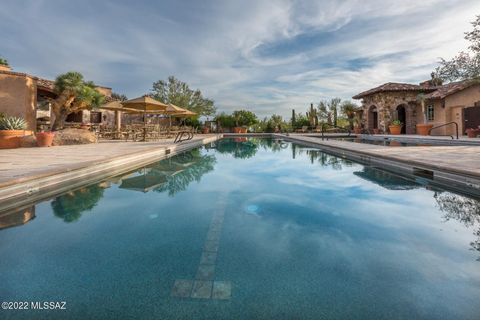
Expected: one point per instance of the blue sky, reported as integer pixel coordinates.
(266, 56)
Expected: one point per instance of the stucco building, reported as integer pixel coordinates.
(27, 96)
(454, 102)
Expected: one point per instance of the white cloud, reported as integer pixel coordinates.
(267, 56)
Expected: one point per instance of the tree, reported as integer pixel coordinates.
(348, 110)
(323, 111)
(225, 120)
(179, 93)
(73, 95)
(119, 96)
(244, 118)
(333, 105)
(465, 65)
(3, 62)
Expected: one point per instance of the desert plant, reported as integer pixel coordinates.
(12, 123)
(396, 123)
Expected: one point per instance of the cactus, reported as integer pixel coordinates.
(312, 116)
(12, 123)
(293, 117)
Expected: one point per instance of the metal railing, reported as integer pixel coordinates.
(444, 125)
(179, 136)
(334, 126)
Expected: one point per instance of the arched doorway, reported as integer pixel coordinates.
(402, 116)
(372, 118)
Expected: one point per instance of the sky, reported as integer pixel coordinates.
(264, 56)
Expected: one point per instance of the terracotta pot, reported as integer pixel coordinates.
(10, 139)
(395, 129)
(376, 131)
(472, 133)
(205, 130)
(239, 130)
(357, 130)
(422, 129)
(45, 139)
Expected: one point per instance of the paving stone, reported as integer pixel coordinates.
(205, 272)
(202, 289)
(222, 290)
(182, 288)
(208, 257)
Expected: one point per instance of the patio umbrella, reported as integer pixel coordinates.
(145, 182)
(145, 104)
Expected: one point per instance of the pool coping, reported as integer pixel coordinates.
(41, 186)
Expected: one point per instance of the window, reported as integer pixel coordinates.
(430, 113)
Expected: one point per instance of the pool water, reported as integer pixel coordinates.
(246, 229)
(389, 142)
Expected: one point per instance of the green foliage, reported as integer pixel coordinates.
(244, 118)
(12, 123)
(70, 206)
(73, 94)
(3, 61)
(301, 121)
(465, 65)
(179, 93)
(192, 122)
(238, 148)
(396, 123)
(225, 120)
(348, 110)
(119, 96)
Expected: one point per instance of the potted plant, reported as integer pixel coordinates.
(205, 130)
(395, 127)
(45, 138)
(473, 133)
(423, 128)
(357, 126)
(376, 130)
(243, 120)
(12, 129)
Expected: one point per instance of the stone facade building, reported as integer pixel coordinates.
(457, 102)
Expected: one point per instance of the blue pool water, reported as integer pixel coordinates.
(277, 230)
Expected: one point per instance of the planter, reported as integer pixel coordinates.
(205, 130)
(395, 129)
(473, 133)
(357, 130)
(422, 129)
(10, 139)
(376, 131)
(45, 139)
(239, 130)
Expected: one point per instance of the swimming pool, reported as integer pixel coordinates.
(246, 229)
(388, 142)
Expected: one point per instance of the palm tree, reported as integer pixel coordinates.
(73, 95)
(348, 109)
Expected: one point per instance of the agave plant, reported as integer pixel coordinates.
(12, 123)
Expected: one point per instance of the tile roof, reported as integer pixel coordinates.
(450, 88)
(392, 87)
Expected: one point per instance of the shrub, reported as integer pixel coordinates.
(12, 123)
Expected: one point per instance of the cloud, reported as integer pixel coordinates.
(263, 55)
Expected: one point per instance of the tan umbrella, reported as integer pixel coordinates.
(176, 111)
(145, 104)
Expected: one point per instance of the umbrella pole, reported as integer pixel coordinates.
(145, 126)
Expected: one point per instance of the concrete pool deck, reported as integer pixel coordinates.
(33, 173)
